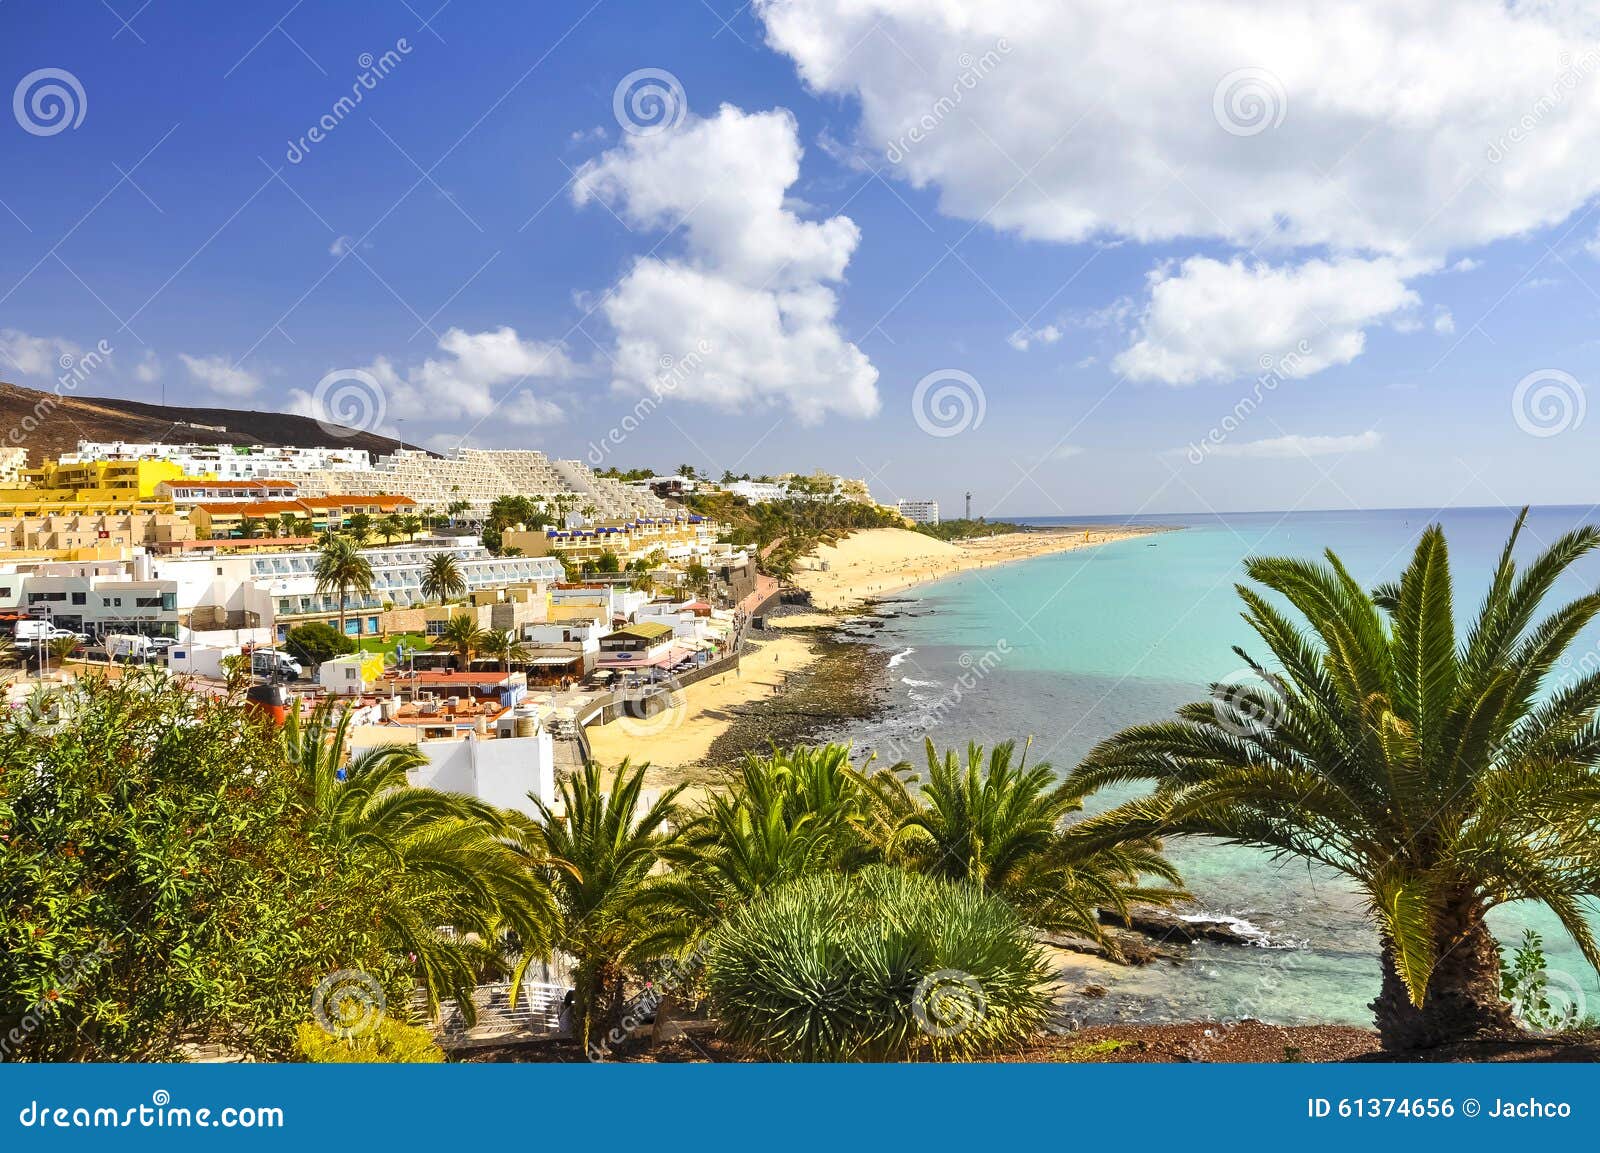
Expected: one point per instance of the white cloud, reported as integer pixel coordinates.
(1444, 321)
(464, 383)
(1295, 446)
(340, 245)
(1023, 338)
(748, 312)
(148, 370)
(34, 356)
(1209, 320)
(1409, 129)
(1466, 264)
(221, 375)
(1066, 452)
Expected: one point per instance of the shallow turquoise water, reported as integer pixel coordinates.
(1069, 648)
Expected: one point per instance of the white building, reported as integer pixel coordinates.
(226, 461)
(919, 511)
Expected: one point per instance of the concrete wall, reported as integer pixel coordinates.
(501, 771)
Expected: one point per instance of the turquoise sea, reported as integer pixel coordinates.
(1069, 648)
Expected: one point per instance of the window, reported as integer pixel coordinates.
(80, 598)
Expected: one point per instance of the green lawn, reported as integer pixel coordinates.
(385, 645)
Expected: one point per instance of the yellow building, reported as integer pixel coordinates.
(111, 478)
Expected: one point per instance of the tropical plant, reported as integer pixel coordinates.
(411, 524)
(442, 579)
(462, 636)
(387, 1041)
(882, 965)
(389, 527)
(781, 816)
(342, 570)
(598, 849)
(697, 577)
(287, 523)
(316, 641)
(162, 886)
(1002, 826)
(358, 527)
(459, 881)
(503, 646)
(62, 648)
(251, 527)
(1442, 775)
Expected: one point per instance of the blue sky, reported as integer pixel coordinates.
(1400, 235)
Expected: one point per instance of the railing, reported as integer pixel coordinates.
(537, 1014)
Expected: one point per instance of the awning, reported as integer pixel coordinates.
(553, 661)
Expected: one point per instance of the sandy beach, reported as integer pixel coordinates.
(868, 564)
(882, 561)
(683, 735)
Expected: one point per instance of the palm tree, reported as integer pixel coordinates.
(442, 579)
(62, 648)
(250, 527)
(462, 634)
(460, 881)
(503, 646)
(390, 527)
(287, 523)
(600, 847)
(1002, 826)
(1440, 774)
(342, 570)
(455, 508)
(784, 816)
(358, 527)
(411, 525)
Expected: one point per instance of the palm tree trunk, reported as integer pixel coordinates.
(1463, 999)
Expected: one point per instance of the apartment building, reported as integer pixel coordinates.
(223, 520)
(111, 479)
(919, 511)
(224, 461)
(187, 491)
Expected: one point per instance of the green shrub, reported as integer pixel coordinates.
(316, 642)
(387, 1041)
(882, 965)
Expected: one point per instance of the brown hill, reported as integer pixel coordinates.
(48, 425)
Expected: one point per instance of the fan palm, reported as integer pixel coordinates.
(503, 646)
(1438, 773)
(342, 570)
(1002, 826)
(462, 634)
(460, 880)
(600, 847)
(442, 579)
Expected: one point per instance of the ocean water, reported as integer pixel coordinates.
(1067, 649)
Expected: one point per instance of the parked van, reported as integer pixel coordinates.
(271, 663)
(33, 633)
(128, 647)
